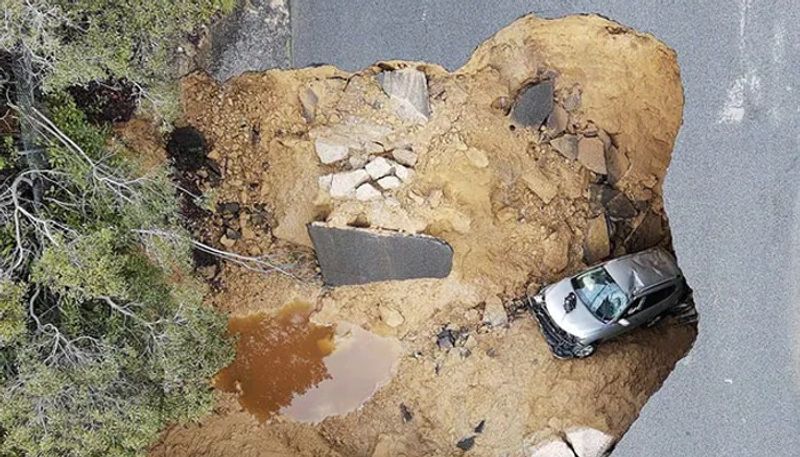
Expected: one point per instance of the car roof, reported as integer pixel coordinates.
(642, 270)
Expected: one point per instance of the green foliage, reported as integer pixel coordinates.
(77, 41)
(12, 312)
(117, 343)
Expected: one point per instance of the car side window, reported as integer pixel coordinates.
(658, 296)
(635, 307)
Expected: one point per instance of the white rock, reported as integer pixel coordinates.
(589, 442)
(329, 152)
(495, 314)
(552, 449)
(391, 316)
(389, 182)
(408, 87)
(366, 192)
(404, 173)
(379, 167)
(344, 184)
(325, 182)
(405, 156)
(477, 158)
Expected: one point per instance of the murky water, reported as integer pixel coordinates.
(287, 364)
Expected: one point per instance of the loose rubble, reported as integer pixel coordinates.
(492, 191)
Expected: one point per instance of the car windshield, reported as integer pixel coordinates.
(598, 291)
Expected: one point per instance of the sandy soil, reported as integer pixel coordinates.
(483, 185)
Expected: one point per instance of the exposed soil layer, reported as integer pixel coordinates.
(521, 206)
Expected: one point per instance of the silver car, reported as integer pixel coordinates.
(609, 299)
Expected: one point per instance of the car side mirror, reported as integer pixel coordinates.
(624, 322)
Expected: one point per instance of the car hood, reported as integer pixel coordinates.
(643, 269)
(580, 321)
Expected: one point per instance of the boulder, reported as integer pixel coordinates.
(405, 174)
(366, 192)
(378, 168)
(391, 316)
(330, 152)
(589, 442)
(533, 104)
(539, 184)
(566, 145)
(619, 206)
(617, 164)
(405, 156)
(557, 121)
(591, 154)
(408, 87)
(494, 314)
(555, 448)
(389, 182)
(477, 158)
(344, 184)
(308, 102)
(596, 245)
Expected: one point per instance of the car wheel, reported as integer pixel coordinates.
(582, 352)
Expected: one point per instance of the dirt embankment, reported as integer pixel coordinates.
(519, 205)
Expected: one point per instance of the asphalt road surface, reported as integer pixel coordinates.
(731, 191)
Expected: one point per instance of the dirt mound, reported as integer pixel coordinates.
(521, 205)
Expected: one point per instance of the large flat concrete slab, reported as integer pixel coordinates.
(358, 256)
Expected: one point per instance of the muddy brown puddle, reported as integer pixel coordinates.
(289, 365)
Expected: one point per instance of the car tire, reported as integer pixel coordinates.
(582, 352)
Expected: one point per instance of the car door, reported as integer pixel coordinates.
(651, 305)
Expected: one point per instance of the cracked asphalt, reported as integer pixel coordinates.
(731, 191)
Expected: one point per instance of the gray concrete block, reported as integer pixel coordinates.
(359, 256)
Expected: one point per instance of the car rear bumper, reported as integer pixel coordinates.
(561, 343)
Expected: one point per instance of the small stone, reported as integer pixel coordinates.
(408, 87)
(232, 234)
(589, 442)
(617, 164)
(325, 182)
(566, 145)
(501, 103)
(391, 316)
(557, 121)
(404, 173)
(596, 246)
(477, 157)
(591, 154)
(465, 444)
(227, 242)
(366, 192)
(389, 182)
(406, 413)
(534, 104)
(378, 168)
(446, 339)
(405, 156)
(228, 208)
(330, 152)
(556, 448)
(308, 102)
(539, 184)
(344, 184)
(494, 314)
(591, 130)
(573, 101)
(481, 425)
